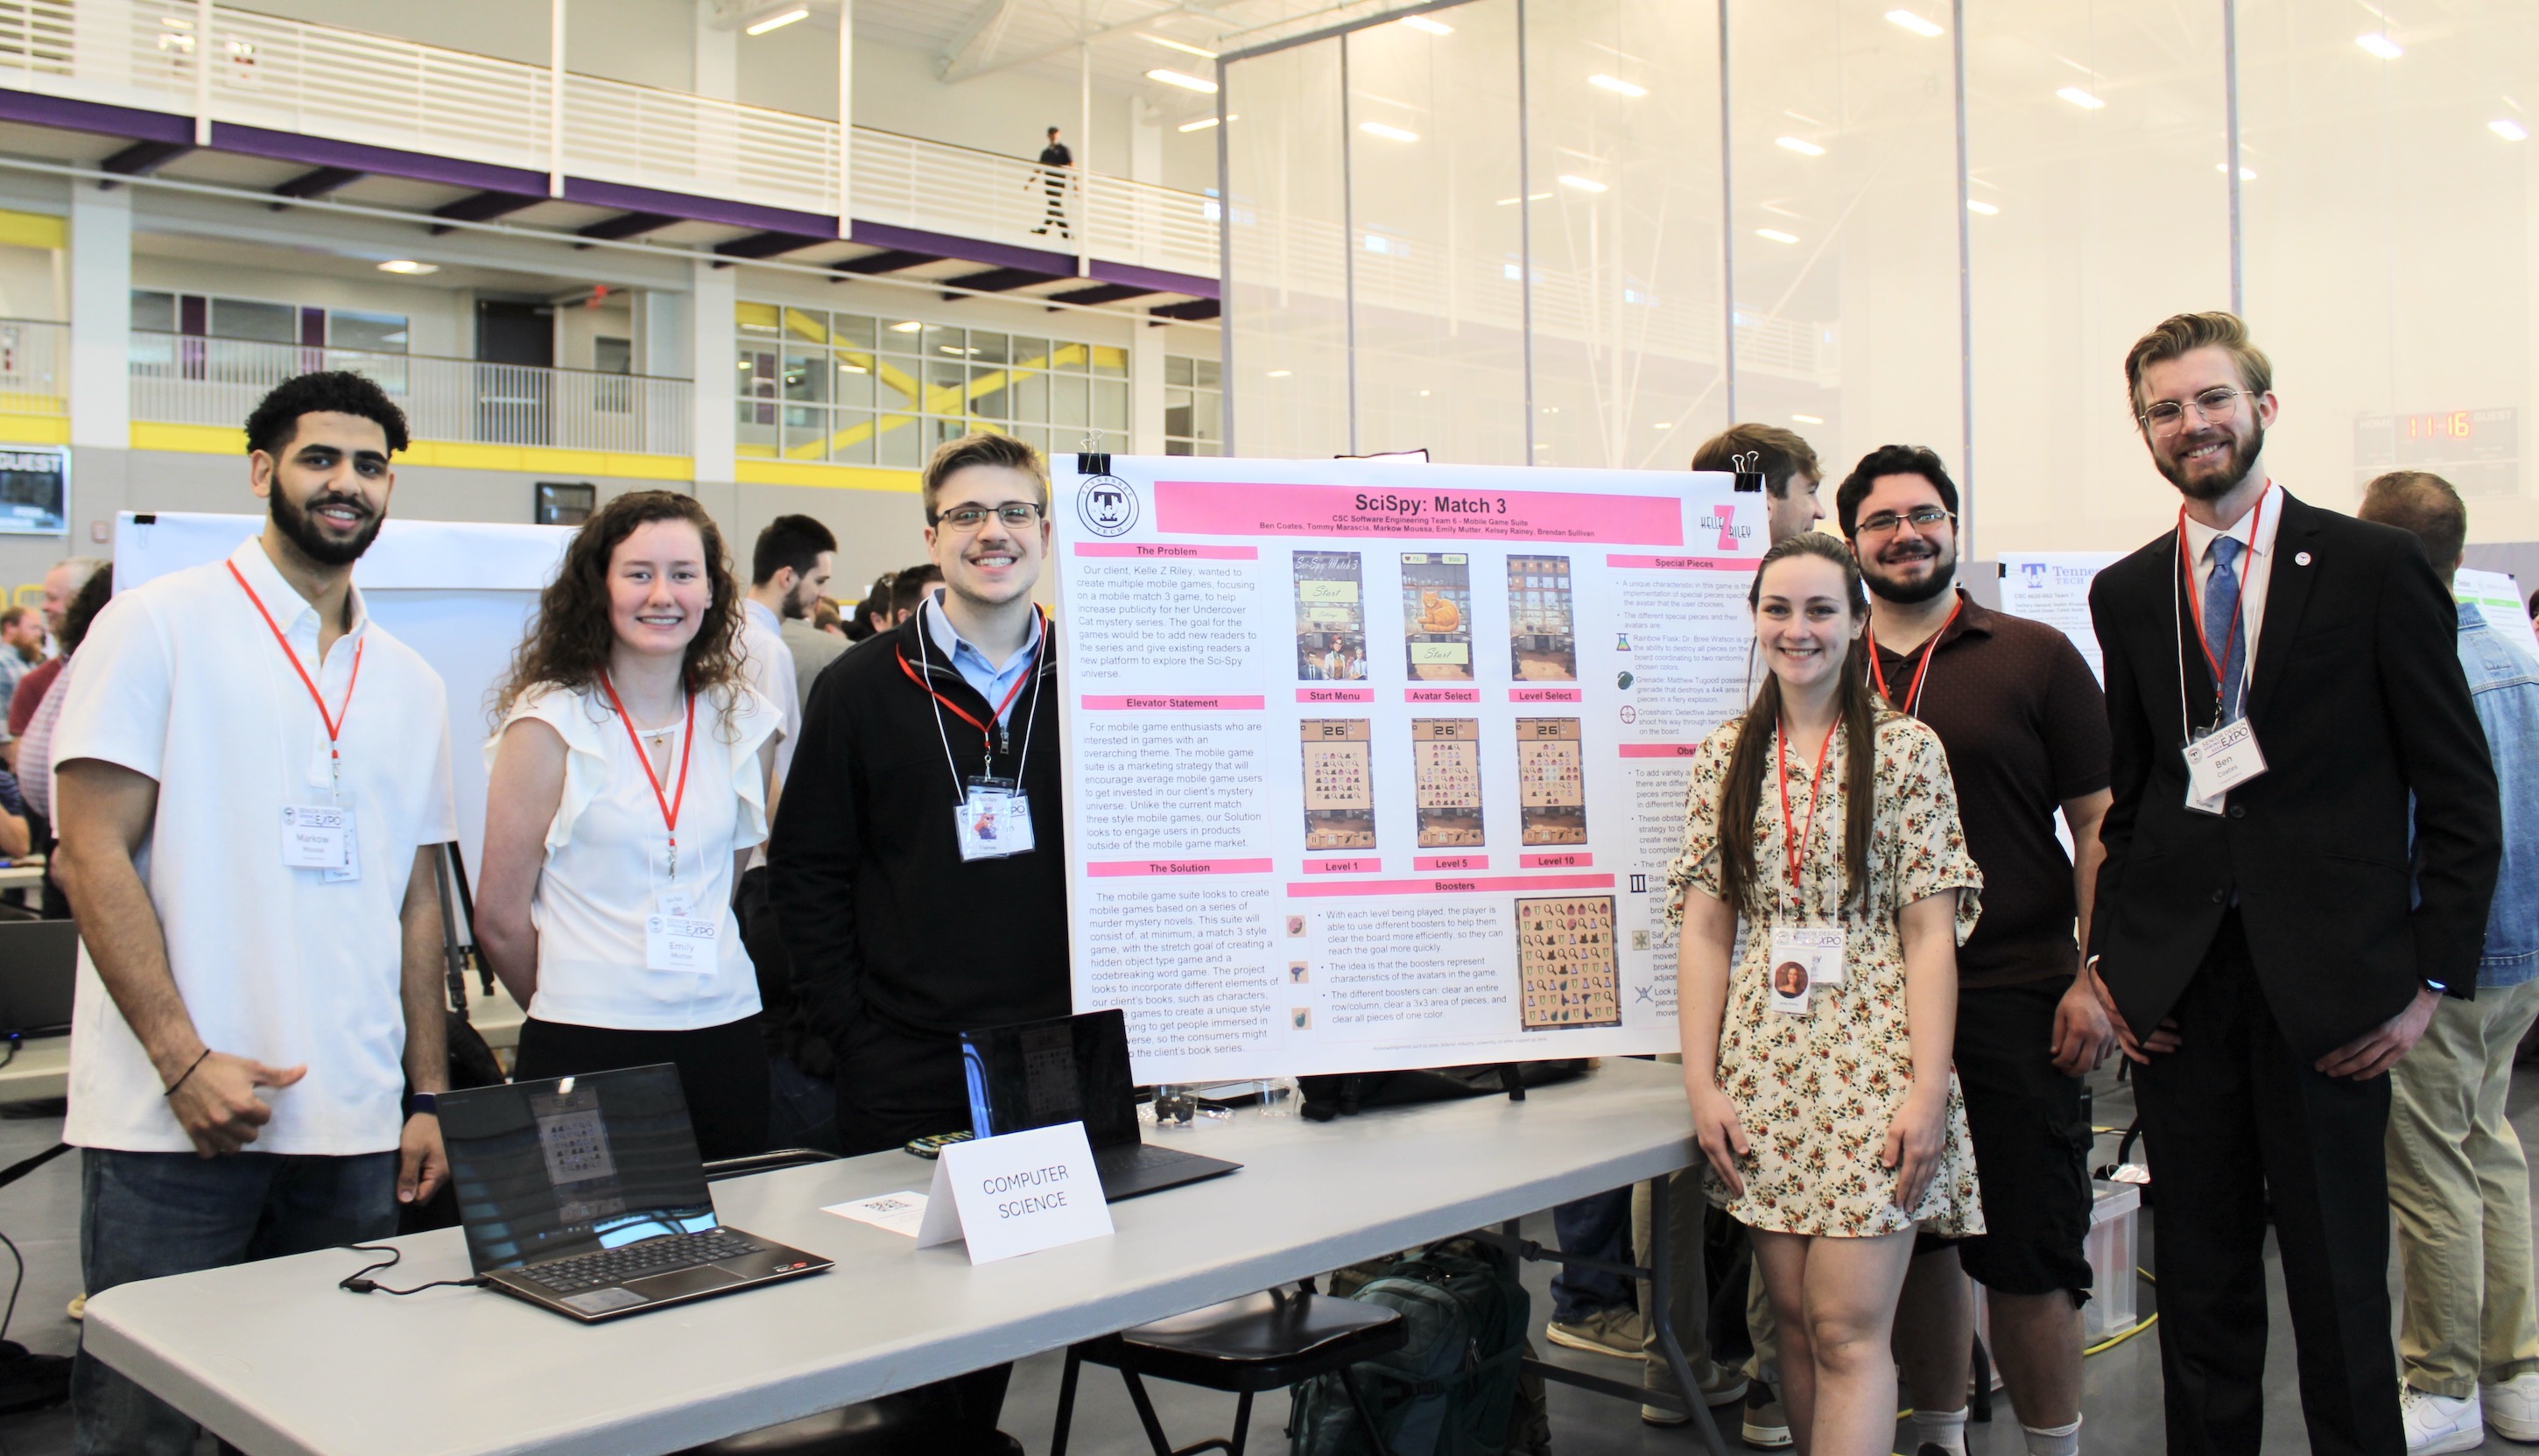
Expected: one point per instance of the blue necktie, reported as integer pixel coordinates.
(2222, 635)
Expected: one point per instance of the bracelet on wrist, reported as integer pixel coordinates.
(188, 1072)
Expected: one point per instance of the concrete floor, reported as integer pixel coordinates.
(40, 1214)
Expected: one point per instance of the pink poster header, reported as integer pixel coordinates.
(1481, 885)
(1103, 867)
(1678, 563)
(1209, 507)
(1660, 750)
(1335, 695)
(1568, 860)
(1542, 695)
(1140, 702)
(1167, 549)
(1441, 695)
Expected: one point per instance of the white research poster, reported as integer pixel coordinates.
(1372, 766)
(2053, 588)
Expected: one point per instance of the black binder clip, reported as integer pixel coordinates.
(1748, 479)
(1087, 463)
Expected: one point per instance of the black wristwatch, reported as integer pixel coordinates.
(423, 1104)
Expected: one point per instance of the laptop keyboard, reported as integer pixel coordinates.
(1127, 1159)
(641, 1260)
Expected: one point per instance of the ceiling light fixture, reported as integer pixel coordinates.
(1800, 145)
(1186, 83)
(1205, 122)
(1389, 133)
(409, 267)
(2380, 45)
(2081, 98)
(1184, 46)
(1528, 197)
(1617, 85)
(1926, 30)
(1808, 419)
(2509, 129)
(1986, 209)
(1582, 184)
(1775, 235)
(911, 326)
(1424, 24)
(778, 21)
(2246, 173)
(1281, 373)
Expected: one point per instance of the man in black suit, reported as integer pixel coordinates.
(2254, 939)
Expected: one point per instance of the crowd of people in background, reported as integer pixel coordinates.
(1932, 876)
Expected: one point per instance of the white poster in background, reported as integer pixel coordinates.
(460, 594)
(1371, 768)
(2053, 588)
(2497, 597)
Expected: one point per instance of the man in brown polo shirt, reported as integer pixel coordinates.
(2025, 729)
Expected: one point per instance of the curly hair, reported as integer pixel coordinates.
(276, 419)
(570, 639)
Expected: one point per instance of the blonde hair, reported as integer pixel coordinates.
(2183, 333)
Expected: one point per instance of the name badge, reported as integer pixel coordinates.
(316, 836)
(674, 878)
(681, 943)
(1802, 958)
(2219, 762)
(994, 820)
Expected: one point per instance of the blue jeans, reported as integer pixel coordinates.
(148, 1215)
(1598, 1226)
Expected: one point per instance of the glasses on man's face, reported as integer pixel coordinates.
(1017, 515)
(2215, 403)
(1924, 519)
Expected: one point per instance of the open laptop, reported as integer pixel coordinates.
(1074, 1069)
(39, 966)
(586, 1195)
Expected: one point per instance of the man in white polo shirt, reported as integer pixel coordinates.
(251, 776)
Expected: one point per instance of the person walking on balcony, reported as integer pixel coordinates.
(1055, 163)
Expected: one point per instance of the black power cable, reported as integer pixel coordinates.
(360, 1283)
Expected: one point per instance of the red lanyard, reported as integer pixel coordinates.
(687, 743)
(2195, 598)
(334, 724)
(1797, 849)
(963, 714)
(1912, 704)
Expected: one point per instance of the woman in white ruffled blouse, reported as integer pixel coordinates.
(628, 781)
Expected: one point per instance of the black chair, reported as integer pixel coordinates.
(1242, 1347)
(893, 1425)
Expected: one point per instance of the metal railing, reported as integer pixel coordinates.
(190, 380)
(34, 367)
(353, 86)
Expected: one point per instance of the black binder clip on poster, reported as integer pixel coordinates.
(1748, 479)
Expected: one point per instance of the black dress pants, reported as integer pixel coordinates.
(2232, 1118)
(723, 1071)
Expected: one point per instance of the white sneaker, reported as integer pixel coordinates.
(2513, 1407)
(2439, 1423)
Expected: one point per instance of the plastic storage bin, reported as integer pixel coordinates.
(2115, 1246)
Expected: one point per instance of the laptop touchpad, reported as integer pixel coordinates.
(680, 1281)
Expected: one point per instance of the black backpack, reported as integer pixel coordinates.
(1451, 1389)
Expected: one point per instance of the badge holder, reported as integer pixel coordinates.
(2226, 756)
(676, 938)
(993, 818)
(1803, 958)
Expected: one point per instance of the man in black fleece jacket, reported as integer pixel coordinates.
(899, 944)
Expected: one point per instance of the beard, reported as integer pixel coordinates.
(299, 525)
(1943, 577)
(2236, 465)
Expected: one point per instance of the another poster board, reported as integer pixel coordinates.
(1371, 769)
(2053, 588)
(2498, 597)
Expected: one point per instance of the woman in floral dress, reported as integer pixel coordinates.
(1817, 1066)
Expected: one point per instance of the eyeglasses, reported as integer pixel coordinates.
(1017, 515)
(1924, 518)
(2215, 403)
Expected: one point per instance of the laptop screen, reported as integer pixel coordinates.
(1040, 1073)
(574, 1164)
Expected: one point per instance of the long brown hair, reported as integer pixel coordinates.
(1740, 883)
(570, 637)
